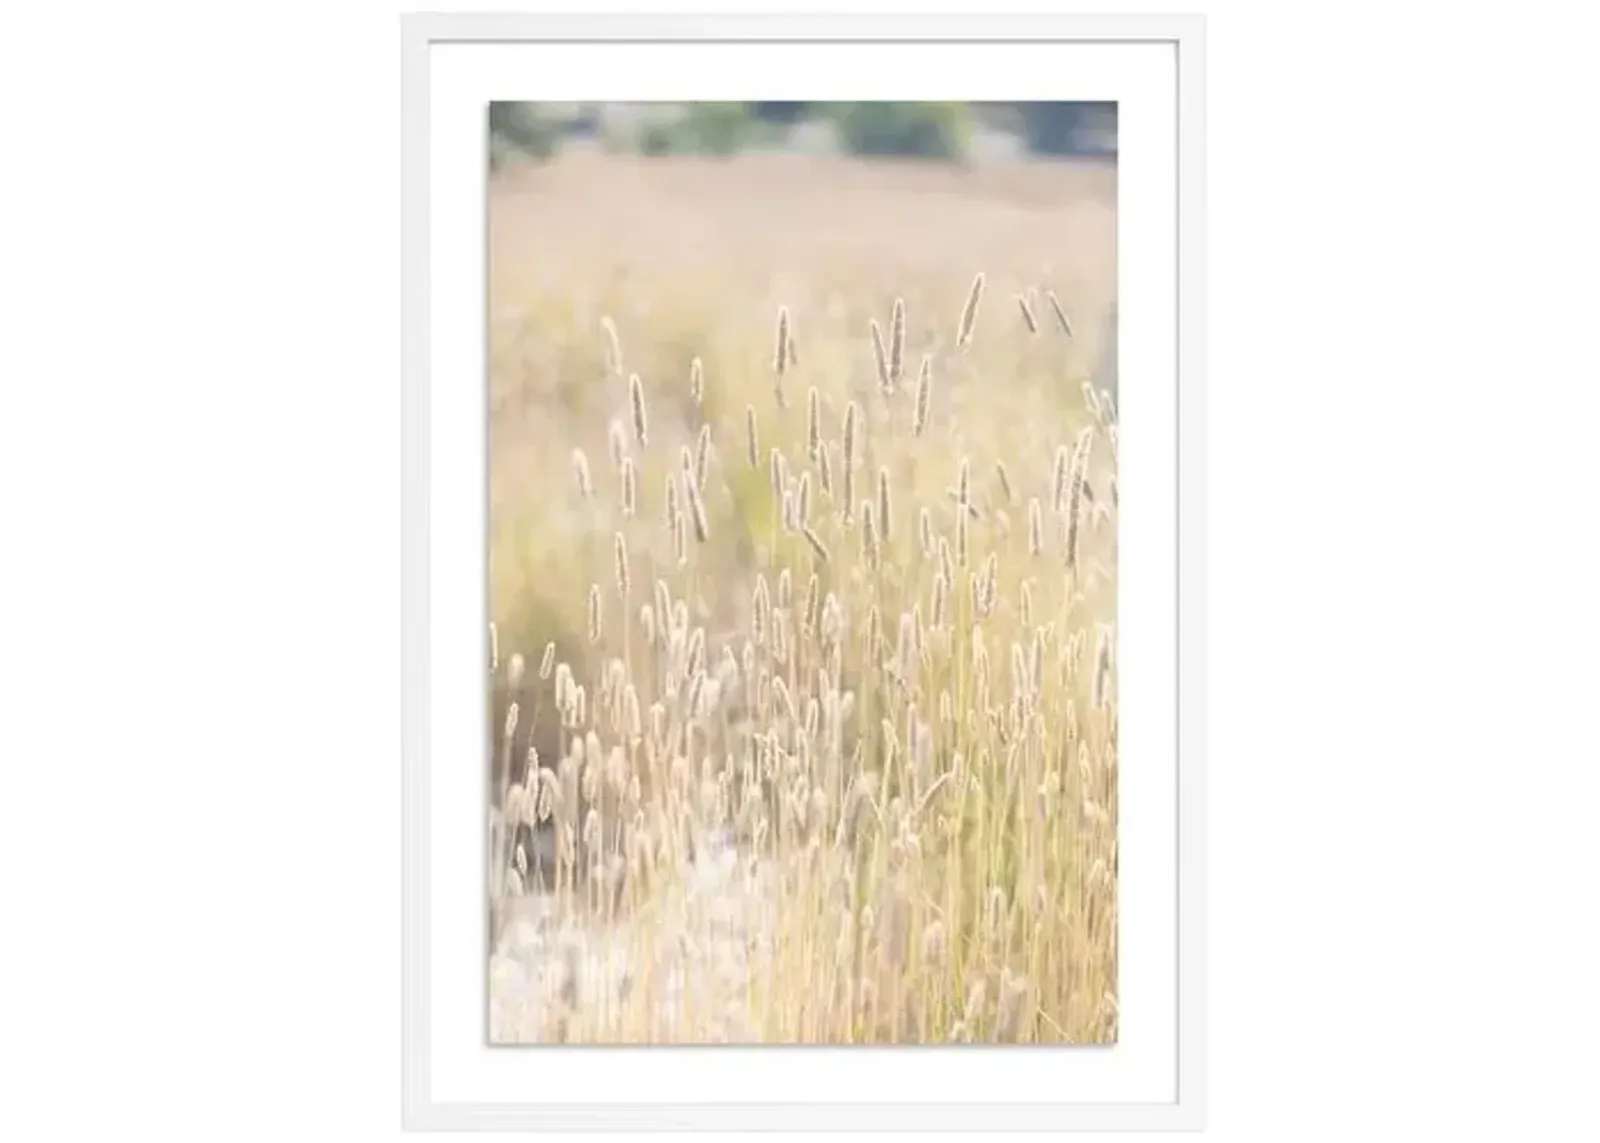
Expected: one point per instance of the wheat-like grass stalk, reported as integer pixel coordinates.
(880, 357)
(802, 501)
(817, 546)
(613, 346)
(1079, 479)
(1061, 314)
(897, 343)
(629, 487)
(1058, 479)
(782, 356)
(617, 442)
(924, 396)
(580, 474)
(871, 553)
(969, 313)
(1005, 480)
(697, 514)
(702, 456)
(620, 558)
(595, 612)
(1027, 315)
(752, 442)
(851, 417)
(697, 382)
(641, 426)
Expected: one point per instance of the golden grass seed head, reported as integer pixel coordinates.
(620, 558)
(630, 493)
(941, 588)
(786, 512)
(809, 615)
(1091, 399)
(697, 515)
(760, 612)
(870, 551)
(1027, 315)
(580, 473)
(547, 660)
(647, 623)
(1058, 479)
(818, 548)
(672, 501)
(1061, 314)
(594, 613)
(1108, 408)
(964, 487)
(897, 342)
(785, 589)
(613, 345)
(780, 357)
(702, 456)
(872, 636)
(616, 442)
(813, 422)
(961, 539)
(919, 422)
(752, 444)
(802, 501)
(697, 381)
(1025, 606)
(880, 357)
(777, 473)
(946, 561)
(825, 468)
(680, 539)
(641, 424)
(925, 532)
(1005, 480)
(969, 313)
(1102, 671)
(1035, 527)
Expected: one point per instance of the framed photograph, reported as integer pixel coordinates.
(803, 668)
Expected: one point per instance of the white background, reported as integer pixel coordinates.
(199, 540)
(1142, 1066)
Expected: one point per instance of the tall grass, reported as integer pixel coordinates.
(862, 646)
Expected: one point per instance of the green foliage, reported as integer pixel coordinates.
(717, 128)
(701, 129)
(520, 130)
(1063, 128)
(917, 130)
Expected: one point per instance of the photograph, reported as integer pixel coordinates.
(802, 555)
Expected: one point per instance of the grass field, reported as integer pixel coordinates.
(803, 575)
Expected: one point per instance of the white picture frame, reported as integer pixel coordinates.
(430, 505)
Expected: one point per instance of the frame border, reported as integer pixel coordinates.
(420, 1112)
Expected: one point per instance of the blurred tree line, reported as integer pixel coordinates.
(934, 131)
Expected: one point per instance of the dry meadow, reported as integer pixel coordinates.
(803, 587)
